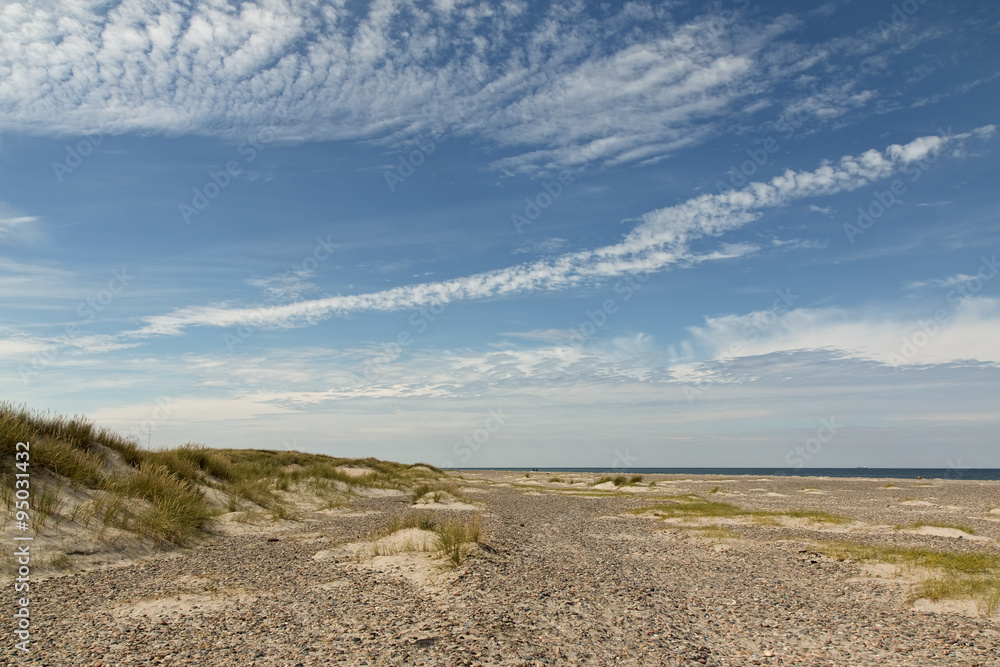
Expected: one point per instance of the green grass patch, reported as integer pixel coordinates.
(619, 480)
(716, 532)
(396, 523)
(694, 506)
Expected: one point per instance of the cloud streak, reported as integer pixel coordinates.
(661, 240)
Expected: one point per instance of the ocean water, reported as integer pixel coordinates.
(879, 473)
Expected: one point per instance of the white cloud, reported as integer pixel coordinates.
(559, 89)
(546, 247)
(950, 281)
(795, 244)
(965, 332)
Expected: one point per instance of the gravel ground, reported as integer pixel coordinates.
(561, 580)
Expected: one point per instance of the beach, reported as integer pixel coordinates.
(567, 570)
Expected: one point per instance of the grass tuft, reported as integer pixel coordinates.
(454, 536)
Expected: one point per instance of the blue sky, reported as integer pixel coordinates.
(498, 234)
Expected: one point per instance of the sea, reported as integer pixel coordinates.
(877, 473)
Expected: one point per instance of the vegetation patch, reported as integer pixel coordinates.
(619, 480)
(454, 535)
(163, 495)
(694, 506)
(437, 492)
(974, 575)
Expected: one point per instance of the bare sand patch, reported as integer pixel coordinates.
(939, 531)
(423, 569)
(354, 471)
(916, 503)
(410, 553)
(186, 604)
(248, 523)
(407, 539)
(967, 608)
(605, 486)
(369, 492)
(446, 505)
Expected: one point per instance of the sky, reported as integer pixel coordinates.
(481, 234)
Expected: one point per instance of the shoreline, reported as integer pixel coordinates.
(963, 474)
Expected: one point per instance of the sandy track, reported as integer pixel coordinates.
(565, 580)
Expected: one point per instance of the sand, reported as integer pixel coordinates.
(566, 575)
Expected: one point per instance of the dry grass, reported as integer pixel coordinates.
(159, 494)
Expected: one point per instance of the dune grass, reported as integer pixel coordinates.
(619, 480)
(454, 536)
(161, 494)
(967, 575)
(439, 491)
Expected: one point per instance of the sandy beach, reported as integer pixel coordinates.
(565, 573)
